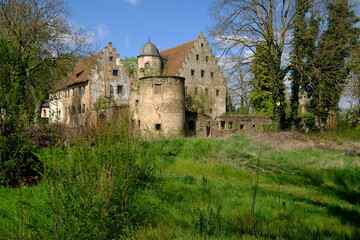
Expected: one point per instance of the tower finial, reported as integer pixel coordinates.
(149, 38)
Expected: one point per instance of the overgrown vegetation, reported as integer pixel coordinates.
(187, 188)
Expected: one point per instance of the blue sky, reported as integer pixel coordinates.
(129, 23)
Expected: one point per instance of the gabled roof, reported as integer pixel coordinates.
(79, 74)
(175, 57)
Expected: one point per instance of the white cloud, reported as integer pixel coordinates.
(102, 30)
(132, 1)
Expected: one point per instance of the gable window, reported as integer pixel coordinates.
(202, 45)
(157, 89)
(217, 92)
(158, 126)
(147, 65)
(115, 72)
(197, 57)
(120, 89)
(111, 58)
(192, 72)
(202, 73)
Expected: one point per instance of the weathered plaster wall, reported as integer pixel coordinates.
(211, 84)
(161, 106)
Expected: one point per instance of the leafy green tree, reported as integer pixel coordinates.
(331, 70)
(243, 26)
(131, 63)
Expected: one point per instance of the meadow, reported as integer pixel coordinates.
(280, 186)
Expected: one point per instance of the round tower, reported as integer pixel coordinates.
(149, 60)
(162, 105)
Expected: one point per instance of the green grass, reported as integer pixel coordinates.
(206, 191)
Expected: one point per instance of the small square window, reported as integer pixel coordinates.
(111, 59)
(157, 89)
(192, 72)
(202, 73)
(119, 89)
(202, 45)
(217, 92)
(158, 127)
(254, 126)
(115, 72)
(241, 126)
(197, 57)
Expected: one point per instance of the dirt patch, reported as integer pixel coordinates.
(294, 140)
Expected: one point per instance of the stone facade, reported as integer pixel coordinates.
(98, 85)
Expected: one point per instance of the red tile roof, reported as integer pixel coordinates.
(79, 74)
(175, 57)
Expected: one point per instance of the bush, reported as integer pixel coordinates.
(91, 188)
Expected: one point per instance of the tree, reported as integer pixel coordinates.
(35, 40)
(242, 26)
(40, 31)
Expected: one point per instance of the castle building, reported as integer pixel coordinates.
(180, 91)
(95, 88)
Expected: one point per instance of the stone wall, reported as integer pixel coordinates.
(161, 106)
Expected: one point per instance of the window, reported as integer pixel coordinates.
(157, 89)
(192, 72)
(197, 57)
(207, 58)
(211, 110)
(212, 74)
(139, 123)
(115, 72)
(79, 109)
(111, 91)
(230, 125)
(147, 65)
(222, 125)
(217, 92)
(83, 108)
(202, 45)
(241, 126)
(206, 91)
(157, 126)
(202, 73)
(119, 89)
(111, 58)
(79, 74)
(196, 91)
(254, 126)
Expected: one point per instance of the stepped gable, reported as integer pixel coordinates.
(175, 57)
(79, 74)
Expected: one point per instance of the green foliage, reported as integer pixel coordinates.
(131, 64)
(198, 102)
(92, 188)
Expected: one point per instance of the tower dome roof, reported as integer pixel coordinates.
(149, 49)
